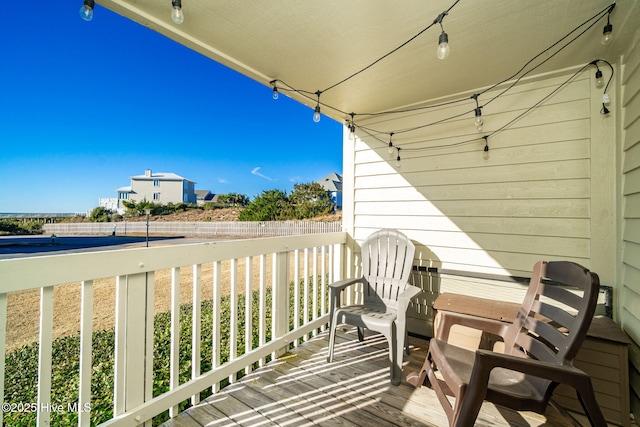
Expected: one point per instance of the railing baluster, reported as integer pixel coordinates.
(86, 331)
(215, 353)
(196, 325)
(263, 304)
(248, 313)
(305, 295)
(119, 357)
(174, 363)
(296, 293)
(323, 281)
(44, 355)
(280, 297)
(233, 325)
(314, 316)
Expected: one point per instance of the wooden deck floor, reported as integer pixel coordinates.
(302, 389)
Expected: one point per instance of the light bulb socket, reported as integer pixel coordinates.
(478, 111)
(607, 29)
(176, 3)
(89, 4)
(486, 148)
(444, 38)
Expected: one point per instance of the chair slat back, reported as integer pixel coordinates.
(543, 328)
(387, 258)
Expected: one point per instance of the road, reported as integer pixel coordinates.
(27, 246)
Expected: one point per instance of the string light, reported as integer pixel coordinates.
(443, 41)
(390, 147)
(176, 12)
(398, 158)
(478, 121)
(316, 112)
(352, 127)
(275, 89)
(547, 54)
(485, 154)
(599, 79)
(86, 11)
(606, 32)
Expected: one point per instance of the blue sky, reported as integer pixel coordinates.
(86, 105)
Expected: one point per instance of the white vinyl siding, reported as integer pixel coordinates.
(531, 199)
(630, 312)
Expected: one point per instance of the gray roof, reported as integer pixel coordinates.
(166, 176)
(331, 182)
(126, 189)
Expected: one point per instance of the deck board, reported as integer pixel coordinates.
(302, 389)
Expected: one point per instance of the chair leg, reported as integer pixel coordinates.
(332, 338)
(360, 334)
(395, 362)
(587, 399)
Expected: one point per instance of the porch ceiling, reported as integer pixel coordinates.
(311, 45)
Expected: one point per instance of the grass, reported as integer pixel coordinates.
(22, 363)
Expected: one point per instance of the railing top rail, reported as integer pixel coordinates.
(36, 272)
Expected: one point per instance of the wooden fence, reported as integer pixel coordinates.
(198, 229)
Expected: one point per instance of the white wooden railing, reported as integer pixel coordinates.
(311, 260)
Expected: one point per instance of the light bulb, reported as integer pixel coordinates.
(275, 92)
(478, 120)
(398, 161)
(316, 114)
(606, 33)
(176, 12)
(443, 46)
(390, 148)
(352, 132)
(599, 79)
(86, 11)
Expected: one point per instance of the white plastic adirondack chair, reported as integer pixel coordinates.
(387, 258)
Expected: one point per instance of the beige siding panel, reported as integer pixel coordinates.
(632, 206)
(632, 182)
(564, 189)
(632, 231)
(568, 227)
(530, 154)
(631, 111)
(554, 208)
(566, 169)
(632, 135)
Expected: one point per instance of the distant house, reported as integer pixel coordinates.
(204, 196)
(158, 187)
(333, 184)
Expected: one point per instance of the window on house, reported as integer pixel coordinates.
(124, 196)
(156, 183)
(156, 196)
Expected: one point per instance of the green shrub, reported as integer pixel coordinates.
(12, 226)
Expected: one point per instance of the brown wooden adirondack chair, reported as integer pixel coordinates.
(540, 346)
(387, 258)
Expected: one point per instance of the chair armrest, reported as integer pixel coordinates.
(405, 296)
(449, 318)
(342, 284)
(487, 360)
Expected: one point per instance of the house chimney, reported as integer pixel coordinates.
(147, 172)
